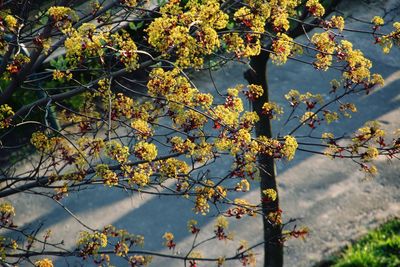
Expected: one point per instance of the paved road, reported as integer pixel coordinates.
(330, 197)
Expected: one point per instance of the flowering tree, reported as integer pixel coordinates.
(102, 92)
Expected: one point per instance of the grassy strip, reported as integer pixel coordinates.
(379, 248)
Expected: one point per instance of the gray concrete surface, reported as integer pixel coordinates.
(328, 196)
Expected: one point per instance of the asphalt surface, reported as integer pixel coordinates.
(330, 197)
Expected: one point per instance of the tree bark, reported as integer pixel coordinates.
(273, 248)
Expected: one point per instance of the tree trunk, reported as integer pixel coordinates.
(273, 248)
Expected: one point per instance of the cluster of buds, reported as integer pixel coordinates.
(169, 240)
(7, 212)
(241, 208)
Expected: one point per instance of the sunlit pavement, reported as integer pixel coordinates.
(328, 196)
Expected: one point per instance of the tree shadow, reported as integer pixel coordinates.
(160, 214)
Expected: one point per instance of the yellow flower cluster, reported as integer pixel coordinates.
(370, 154)
(275, 217)
(241, 139)
(129, 3)
(369, 170)
(87, 40)
(168, 236)
(11, 22)
(171, 33)
(121, 240)
(234, 43)
(44, 263)
(40, 141)
(280, 12)
(17, 63)
(248, 119)
(359, 66)
(281, 48)
(142, 128)
(364, 144)
(272, 110)
(62, 75)
(378, 21)
(172, 168)
(330, 116)
(337, 22)
(122, 105)
(139, 260)
(233, 102)
(242, 207)
(223, 143)
(204, 100)
(333, 149)
(270, 194)
(139, 176)
(289, 147)
(310, 118)
(234, 92)
(7, 209)
(121, 249)
(203, 152)
(206, 193)
(142, 110)
(221, 222)
(110, 178)
(169, 240)
(243, 186)
(91, 243)
(103, 89)
(254, 91)
(145, 151)
(61, 191)
(377, 79)
(226, 116)
(329, 136)
(5, 113)
(253, 20)
(90, 41)
(117, 151)
(309, 99)
(268, 146)
(315, 8)
(165, 83)
(280, 21)
(345, 107)
(293, 96)
(195, 254)
(326, 46)
(182, 146)
(178, 91)
(59, 13)
(386, 41)
(189, 120)
(127, 50)
(207, 13)
(250, 166)
(371, 130)
(92, 145)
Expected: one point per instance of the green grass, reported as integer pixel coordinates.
(379, 248)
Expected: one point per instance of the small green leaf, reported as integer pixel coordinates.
(132, 26)
(53, 63)
(140, 24)
(44, 20)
